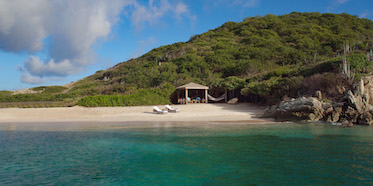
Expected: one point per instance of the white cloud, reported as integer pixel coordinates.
(39, 68)
(235, 3)
(29, 79)
(142, 45)
(71, 28)
(246, 3)
(181, 9)
(22, 25)
(150, 14)
(340, 1)
(335, 4)
(365, 14)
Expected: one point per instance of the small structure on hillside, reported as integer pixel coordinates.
(192, 93)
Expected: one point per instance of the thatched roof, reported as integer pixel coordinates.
(192, 85)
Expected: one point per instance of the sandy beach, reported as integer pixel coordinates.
(188, 113)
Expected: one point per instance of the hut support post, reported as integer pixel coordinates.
(186, 96)
(206, 98)
(178, 97)
(226, 96)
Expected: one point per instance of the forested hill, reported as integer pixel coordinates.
(269, 57)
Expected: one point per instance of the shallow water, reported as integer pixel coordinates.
(163, 153)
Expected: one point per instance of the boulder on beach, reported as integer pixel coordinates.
(233, 101)
(301, 109)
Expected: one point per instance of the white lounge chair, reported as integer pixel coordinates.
(159, 111)
(170, 109)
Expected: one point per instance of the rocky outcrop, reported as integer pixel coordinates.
(355, 108)
(359, 101)
(304, 109)
(361, 97)
(332, 114)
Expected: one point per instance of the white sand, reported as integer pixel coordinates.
(188, 113)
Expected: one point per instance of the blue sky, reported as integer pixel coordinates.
(54, 42)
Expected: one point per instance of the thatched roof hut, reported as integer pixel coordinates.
(194, 89)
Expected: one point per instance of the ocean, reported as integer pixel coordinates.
(181, 154)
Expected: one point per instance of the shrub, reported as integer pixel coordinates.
(359, 63)
(281, 71)
(141, 97)
(262, 88)
(232, 83)
(35, 97)
(327, 83)
(5, 93)
(50, 89)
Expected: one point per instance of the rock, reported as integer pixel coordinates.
(361, 96)
(341, 89)
(300, 104)
(360, 100)
(300, 109)
(340, 104)
(347, 124)
(351, 115)
(318, 95)
(326, 105)
(356, 101)
(332, 115)
(233, 101)
(366, 119)
(367, 82)
(328, 110)
(285, 98)
(355, 108)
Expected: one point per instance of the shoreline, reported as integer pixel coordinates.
(222, 113)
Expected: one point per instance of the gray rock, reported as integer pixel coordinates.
(333, 114)
(301, 109)
(326, 106)
(318, 95)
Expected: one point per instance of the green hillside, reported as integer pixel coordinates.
(261, 58)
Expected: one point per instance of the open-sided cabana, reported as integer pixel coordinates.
(192, 93)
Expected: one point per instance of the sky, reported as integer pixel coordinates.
(54, 42)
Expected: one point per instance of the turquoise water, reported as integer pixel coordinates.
(164, 154)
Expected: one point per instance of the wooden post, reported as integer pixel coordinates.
(206, 98)
(178, 97)
(226, 96)
(186, 96)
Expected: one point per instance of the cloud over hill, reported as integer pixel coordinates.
(65, 30)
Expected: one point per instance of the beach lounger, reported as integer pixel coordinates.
(170, 109)
(159, 111)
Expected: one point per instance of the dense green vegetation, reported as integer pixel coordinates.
(143, 97)
(50, 89)
(5, 93)
(34, 97)
(139, 97)
(262, 58)
(42, 97)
